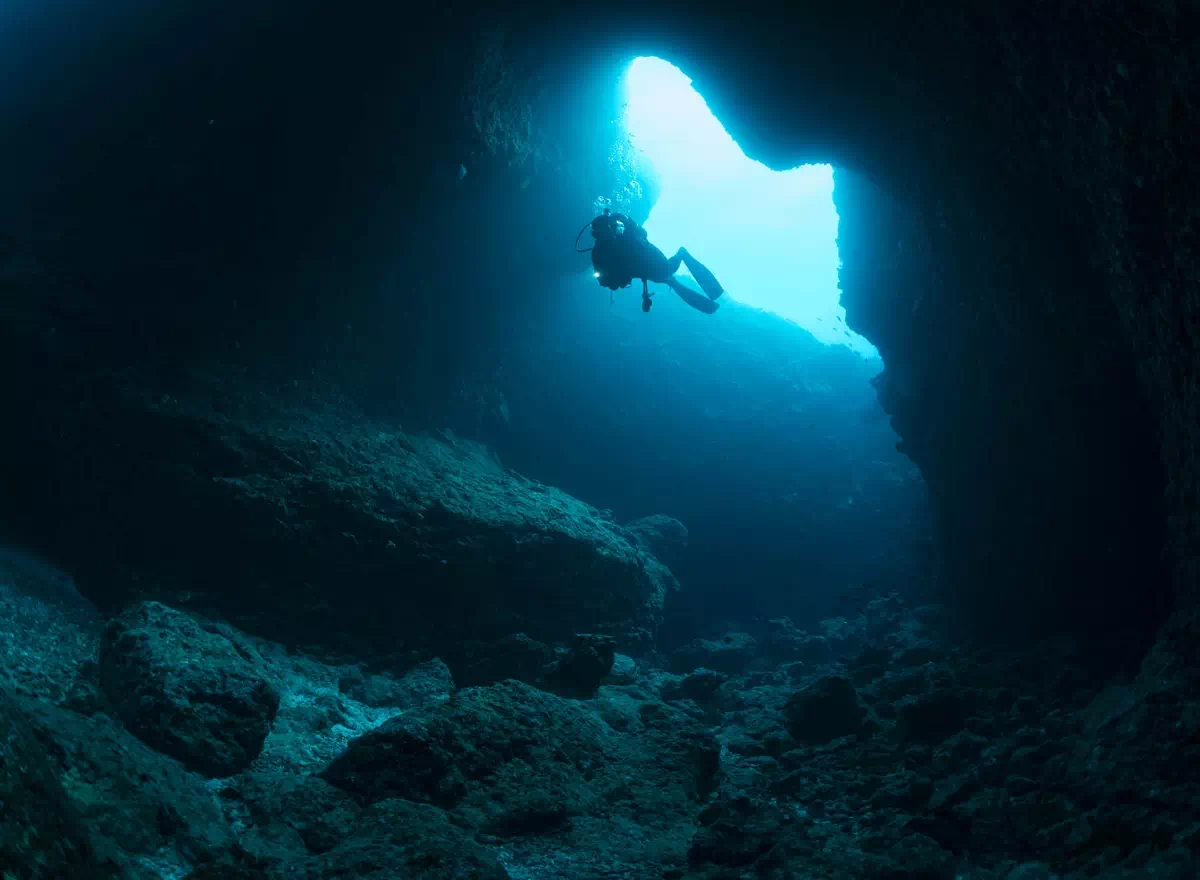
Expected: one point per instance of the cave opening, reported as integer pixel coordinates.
(771, 234)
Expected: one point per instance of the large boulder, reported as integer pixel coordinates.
(438, 755)
(399, 840)
(824, 709)
(143, 811)
(425, 683)
(346, 533)
(189, 691)
(581, 669)
(662, 535)
(514, 761)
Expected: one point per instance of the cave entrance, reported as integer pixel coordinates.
(770, 236)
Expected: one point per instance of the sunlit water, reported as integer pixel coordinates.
(769, 236)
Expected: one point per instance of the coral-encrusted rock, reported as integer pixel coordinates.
(824, 710)
(186, 690)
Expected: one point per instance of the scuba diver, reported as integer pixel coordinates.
(622, 252)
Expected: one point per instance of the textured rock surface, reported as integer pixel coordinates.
(478, 746)
(396, 840)
(372, 536)
(984, 764)
(41, 834)
(425, 683)
(824, 709)
(143, 810)
(732, 653)
(580, 669)
(663, 536)
(188, 691)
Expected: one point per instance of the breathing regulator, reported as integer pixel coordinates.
(604, 228)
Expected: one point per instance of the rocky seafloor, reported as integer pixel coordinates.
(153, 743)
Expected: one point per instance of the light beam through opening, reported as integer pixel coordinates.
(769, 236)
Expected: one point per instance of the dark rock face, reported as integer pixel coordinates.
(934, 716)
(516, 762)
(41, 835)
(435, 755)
(142, 810)
(515, 656)
(1046, 396)
(989, 763)
(825, 709)
(702, 686)
(187, 691)
(786, 643)
(732, 653)
(581, 669)
(397, 840)
(663, 536)
(373, 537)
(292, 813)
(425, 683)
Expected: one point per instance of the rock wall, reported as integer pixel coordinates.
(1024, 258)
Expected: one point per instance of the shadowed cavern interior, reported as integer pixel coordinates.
(251, 252)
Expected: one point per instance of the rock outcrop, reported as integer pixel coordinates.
(993, 764)
(663, 536)
(41, 833)
(479, 751)
(331, 528)
(186, 690)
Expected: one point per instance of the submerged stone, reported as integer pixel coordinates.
(733, 653)
(41, 834)
(190, 692)
(825, 709)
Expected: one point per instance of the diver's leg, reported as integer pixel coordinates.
(673, 262)
(706, 279)
(693, 299)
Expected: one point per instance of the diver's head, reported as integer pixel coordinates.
(606, 227)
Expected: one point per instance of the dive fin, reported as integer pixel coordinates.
(706, 279)
(689, 296)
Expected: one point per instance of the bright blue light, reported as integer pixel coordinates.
(769, 236)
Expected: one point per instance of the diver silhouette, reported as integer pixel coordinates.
(623, 252)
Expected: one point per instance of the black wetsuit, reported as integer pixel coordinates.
(621, 258)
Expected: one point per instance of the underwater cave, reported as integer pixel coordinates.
(350, 528)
